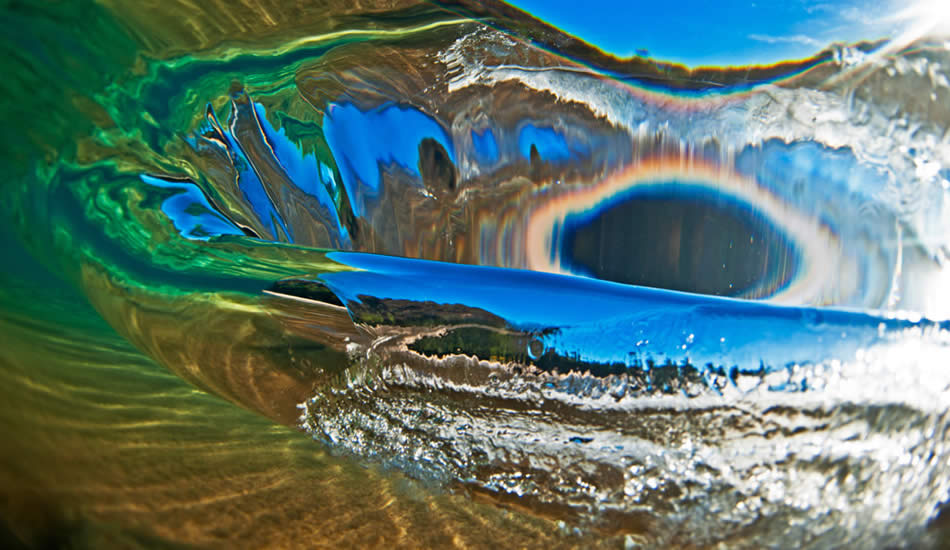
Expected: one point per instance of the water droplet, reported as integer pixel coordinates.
(535, 349)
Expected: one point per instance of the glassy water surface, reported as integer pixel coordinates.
(468, 277)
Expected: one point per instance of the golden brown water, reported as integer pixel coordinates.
(104, 448)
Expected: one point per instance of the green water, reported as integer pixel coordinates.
(102, 447)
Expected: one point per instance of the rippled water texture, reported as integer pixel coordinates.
(462, 278)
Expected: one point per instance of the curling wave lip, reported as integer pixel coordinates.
(647, 411)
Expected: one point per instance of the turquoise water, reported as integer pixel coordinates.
(619, 301)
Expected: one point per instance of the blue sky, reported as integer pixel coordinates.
(717, 32)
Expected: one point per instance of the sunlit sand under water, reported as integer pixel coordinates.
(461, 279)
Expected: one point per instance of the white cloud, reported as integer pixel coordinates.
(792, 39)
